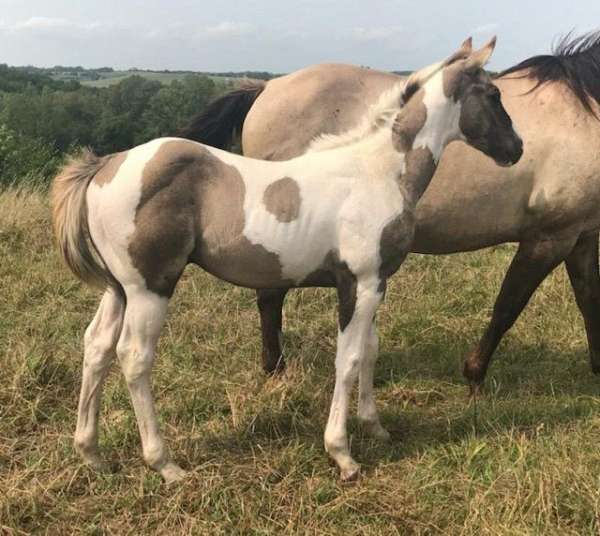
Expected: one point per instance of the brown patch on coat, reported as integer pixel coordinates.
(334, 272)
(408, 123)
(282, 199)
(110, 168)
(451, 78)
(394, 245)
(397, 236)
(420, 168)
(191, 210)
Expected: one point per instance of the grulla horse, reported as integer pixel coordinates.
(548, 203)
(340, 216)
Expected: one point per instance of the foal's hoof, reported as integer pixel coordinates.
(93, 460)
(350, 473)
(172, 473)
(376, 431)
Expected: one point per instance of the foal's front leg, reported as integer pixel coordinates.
(367, 410)
(358, 304)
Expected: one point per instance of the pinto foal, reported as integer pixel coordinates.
(341, 216)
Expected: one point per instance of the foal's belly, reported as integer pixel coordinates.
(269, 253)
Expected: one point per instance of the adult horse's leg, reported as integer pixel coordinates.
(144, 317)
(270, 305)
(100, 342)
(533, 261)
(353, 337)
(582, 266)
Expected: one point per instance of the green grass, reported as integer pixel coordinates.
(524, 460)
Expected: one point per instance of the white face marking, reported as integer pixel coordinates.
(443, 115)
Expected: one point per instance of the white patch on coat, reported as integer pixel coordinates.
(345, 213)
(443, 116)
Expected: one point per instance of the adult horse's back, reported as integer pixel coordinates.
(548, 203)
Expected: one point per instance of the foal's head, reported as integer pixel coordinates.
(472, 103)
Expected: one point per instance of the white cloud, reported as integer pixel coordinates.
(485, 28)
(377, 33)
(44, 24)
(228, 29)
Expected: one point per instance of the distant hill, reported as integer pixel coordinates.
(106, 77)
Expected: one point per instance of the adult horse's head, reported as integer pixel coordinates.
(483, 122)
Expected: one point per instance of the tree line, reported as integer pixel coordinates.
(42, 119)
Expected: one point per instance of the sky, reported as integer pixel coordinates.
(279, 35)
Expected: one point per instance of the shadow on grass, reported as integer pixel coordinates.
(514, 368)
(528, 386)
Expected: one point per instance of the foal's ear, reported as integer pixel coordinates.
(462, 53)
(480, 57)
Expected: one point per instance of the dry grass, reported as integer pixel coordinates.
(525, 460)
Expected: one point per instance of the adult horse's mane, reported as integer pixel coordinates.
(575, 61)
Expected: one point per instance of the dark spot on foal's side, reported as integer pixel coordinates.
(282, 199)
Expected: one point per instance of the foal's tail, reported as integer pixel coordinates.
(222, 120)
(70, 216)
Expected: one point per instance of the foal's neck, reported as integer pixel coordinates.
(421, 131)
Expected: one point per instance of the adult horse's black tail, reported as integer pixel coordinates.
(222, 120)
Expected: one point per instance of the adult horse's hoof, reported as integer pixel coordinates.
(474, 370)
(475, 389)
(273, 367)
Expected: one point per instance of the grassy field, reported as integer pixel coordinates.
(523, 460)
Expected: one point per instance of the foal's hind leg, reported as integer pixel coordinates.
(582, 266)
(100, 343)
(530, 266)
(144, 317)
(270, 304)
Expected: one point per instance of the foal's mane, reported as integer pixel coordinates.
(378, 115)
(575, 61)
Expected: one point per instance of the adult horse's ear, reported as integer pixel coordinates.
(480, 57)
